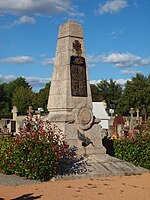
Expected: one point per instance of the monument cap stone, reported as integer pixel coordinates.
(71, 29)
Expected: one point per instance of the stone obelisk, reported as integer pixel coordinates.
(70, 106)
(70, 102)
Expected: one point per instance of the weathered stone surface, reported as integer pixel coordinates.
(64, 98)
(98, 166)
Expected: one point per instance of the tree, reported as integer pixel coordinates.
(41, 98)
(4, 103)
(7, 92)
(110, 91)
(13, 85)
(95, 93)
(2, 96)
(135, 94)
(22, 99)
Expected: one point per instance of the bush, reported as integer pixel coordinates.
(135, 150)
(35, 152)
(6, 155)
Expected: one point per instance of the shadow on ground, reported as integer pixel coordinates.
(27, 197)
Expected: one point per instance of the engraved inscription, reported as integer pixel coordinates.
(78, 76)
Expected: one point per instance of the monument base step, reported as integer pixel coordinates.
(97, 166)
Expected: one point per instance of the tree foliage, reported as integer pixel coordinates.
(5, 100)
(95, 93)
(22, 99)
(7, 91)
(135, 94)
(41, 98)
(109, 91)
(135, 150)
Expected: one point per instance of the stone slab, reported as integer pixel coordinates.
(101, 166)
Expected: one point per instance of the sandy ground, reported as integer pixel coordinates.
(107, 188)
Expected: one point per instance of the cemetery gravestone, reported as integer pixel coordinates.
(131, 119)
(143, 114)
(14, 112)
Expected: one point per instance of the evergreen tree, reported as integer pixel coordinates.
(22, 99)
(110, 91)
(41, 98)
(135, 94)
(95, 93)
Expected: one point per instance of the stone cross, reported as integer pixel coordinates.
(143, 114)
(30, 112)
(14, 112)
(131, 119)
(137, 116)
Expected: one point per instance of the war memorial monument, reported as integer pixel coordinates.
(70, 106)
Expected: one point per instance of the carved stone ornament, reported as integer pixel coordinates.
(77, 47)
(84, 116)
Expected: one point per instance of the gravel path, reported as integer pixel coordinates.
(135, 187)
(13, 180)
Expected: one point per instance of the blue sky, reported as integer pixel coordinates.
(116, 37)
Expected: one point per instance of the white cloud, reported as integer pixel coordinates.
(93, 82)
(22, 20)
(17, 60)
(7, 79)
(121, 81)
(43, 55)
(144, 62)
(35, 82)
(120, 60)
(115, 34)
(112, 6)
(93, 58)
(129, 71)
(43, 7)
(125, 60)
(118, 81)
(25, 20)
(48, 61)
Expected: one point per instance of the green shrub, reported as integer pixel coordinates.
(6, 155)
(135, 150)
(35, 159)
(35, 152)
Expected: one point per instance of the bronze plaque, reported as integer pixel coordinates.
(78, 76)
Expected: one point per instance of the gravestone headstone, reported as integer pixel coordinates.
(143, 115)
(14, 112)
(131, 120)
(137, 116)
(30, 112)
